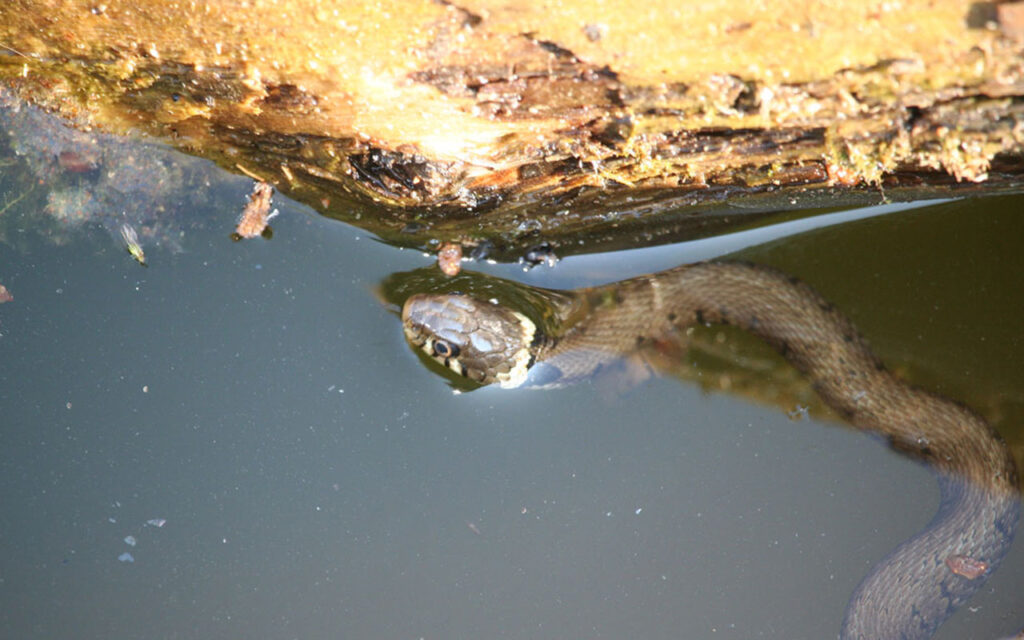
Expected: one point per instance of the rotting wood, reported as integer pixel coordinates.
(475, 119)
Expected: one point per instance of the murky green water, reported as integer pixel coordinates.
(251, 416)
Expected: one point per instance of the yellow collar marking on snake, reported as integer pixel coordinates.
(910, 592)
(522, 360)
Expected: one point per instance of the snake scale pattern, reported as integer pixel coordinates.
(909, 593)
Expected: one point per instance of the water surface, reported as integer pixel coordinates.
(316, 481)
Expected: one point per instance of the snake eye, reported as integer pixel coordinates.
(445, 349)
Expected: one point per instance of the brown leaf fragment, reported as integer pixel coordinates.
(966, 566)
(254, 218)
(5, 295)
(449, 258)
(77, 162)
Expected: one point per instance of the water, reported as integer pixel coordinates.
(249, 415)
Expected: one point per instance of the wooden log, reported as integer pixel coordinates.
(450, 112)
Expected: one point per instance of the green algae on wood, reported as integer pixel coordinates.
(470, 119)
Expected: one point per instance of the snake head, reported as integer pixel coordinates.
(476, 339)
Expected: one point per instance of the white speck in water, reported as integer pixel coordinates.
(798, 413)
(130, 541)
(156, 522)
(638, 510)
(111, 520)
(126, 557)
(608, 514)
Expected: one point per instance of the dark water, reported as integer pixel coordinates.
(313, 480)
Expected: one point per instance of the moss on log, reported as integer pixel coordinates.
(473, 118)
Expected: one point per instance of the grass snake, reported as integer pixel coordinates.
(923, 580)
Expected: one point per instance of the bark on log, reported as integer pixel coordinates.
(519, 109)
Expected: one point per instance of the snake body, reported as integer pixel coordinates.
(921, 582)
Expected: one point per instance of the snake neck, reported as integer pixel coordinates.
(613, 321)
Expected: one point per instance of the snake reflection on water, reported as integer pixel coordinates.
(921, 582)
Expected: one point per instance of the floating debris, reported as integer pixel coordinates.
(967, 566)
(800, 412)
(156, 522)
(130, 541)
(482, 250)
(102, 180)
(543, 253)
(126, 557)
(78, 161)
(5, 295)
(256, 215)
(449, 258)
(131, 239)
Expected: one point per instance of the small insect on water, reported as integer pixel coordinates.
(256, 214)
(131, 239)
